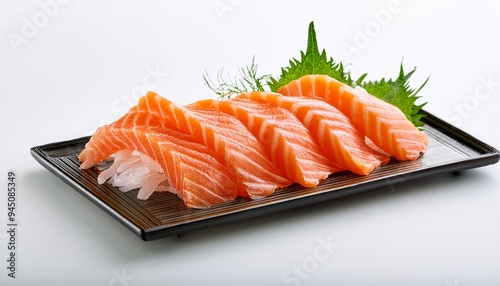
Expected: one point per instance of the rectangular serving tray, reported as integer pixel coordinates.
(164, 214)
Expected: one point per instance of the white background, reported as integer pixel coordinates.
(68, 67)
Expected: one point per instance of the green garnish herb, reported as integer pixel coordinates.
(248, 80)
(396, 92)
(311, 62)
(399, 93)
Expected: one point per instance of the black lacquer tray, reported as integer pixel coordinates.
(164, 214)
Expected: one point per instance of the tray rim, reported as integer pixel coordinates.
(488, 155)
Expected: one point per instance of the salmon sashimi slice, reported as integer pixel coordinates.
(190, 168)
(383, 123)
(244, 157)
(339, 140)
(285, 138)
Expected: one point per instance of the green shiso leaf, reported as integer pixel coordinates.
(399, 93)
(311, 62)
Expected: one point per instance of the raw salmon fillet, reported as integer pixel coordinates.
(384, 124)
(334, 132)
(191, 168)
(285, 138)
(244, 157)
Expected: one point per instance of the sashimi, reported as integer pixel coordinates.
(191, 168)
(386, 126)
(244, 157)
(285, 138)
(334, 132)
